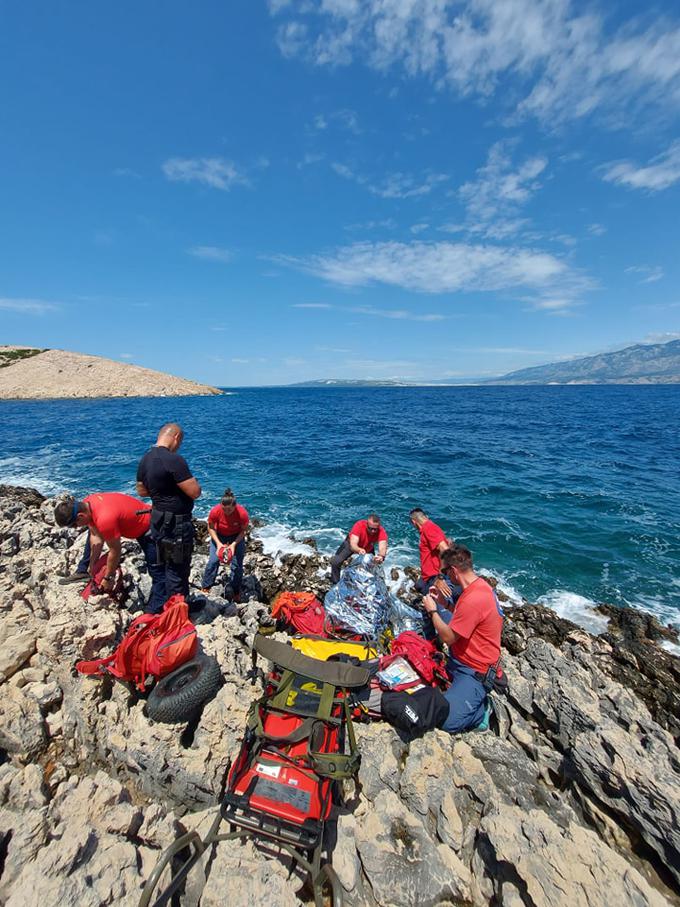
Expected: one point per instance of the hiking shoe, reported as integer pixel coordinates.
(484, 723)
(76, 577)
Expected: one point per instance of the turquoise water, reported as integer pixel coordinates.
(570, 494)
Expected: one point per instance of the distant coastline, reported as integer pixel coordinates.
(36, 374)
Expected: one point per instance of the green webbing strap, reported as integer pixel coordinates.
(338, 765)
(340, 674)
(278, 701)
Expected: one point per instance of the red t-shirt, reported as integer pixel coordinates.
(478, 621)
(368, 539)
(114, 515)
(232, 524)
(430, 536)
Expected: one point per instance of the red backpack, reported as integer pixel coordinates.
(118, 593)
(154, 645)
(423, 656)
(302, 611)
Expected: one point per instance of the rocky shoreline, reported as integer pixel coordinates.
(573, 797)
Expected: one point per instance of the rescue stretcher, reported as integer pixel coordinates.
(299, 743)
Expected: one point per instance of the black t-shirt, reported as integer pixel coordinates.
(160, 470)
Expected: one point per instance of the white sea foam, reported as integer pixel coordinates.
(671, 647)
(576, 608)
(278, 540)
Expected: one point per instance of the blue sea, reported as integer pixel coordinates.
(570, 495)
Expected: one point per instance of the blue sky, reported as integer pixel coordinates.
(255, 193)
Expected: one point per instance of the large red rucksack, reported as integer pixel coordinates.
(154, 645)
(302, 611)
(422, 655)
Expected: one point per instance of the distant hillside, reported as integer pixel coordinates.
(657, 363)
(30, 374)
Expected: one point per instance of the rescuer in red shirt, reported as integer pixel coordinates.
(433, 542)
(473, 636)
(227, 525)
(110, 517)
(361, 539)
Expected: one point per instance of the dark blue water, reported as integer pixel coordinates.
(563, 491)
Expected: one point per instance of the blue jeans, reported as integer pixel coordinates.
(236, 565)
(158, 595)
(466, 698)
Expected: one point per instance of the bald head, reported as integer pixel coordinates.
(170, 435)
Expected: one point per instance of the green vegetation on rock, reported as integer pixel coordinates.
(10, 355)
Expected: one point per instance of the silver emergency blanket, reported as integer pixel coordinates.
(403, 617)
(360, 602)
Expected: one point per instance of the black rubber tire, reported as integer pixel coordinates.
(179, 696)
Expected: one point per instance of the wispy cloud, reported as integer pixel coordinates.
(447, 267)
(396, 314)
(499, 190)
(125, 356)
(646, 273)
(660, 173)
(211, 253)
(393, 185)
(344, 119)
(127, 172)
(27, 306)
(216, 172)
(375, 311)
(596, 229)
(566, 62)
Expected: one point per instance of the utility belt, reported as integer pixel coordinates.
(173, 534)
(492, 680)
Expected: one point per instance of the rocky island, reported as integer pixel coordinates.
(572, 798)
(34, 374)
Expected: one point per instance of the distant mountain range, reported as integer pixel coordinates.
(657, 363)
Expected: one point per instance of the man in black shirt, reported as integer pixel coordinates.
(164, 476)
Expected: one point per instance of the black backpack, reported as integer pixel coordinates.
(415, 712)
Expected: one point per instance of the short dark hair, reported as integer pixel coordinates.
(228, 498)
(457, 556)
(374, 518)
(66, 511)
(417, 511)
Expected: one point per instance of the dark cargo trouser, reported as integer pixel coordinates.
(174, 537)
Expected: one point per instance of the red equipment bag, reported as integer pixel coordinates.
(423, 656)
(302, 611)
(118, 593)
(154, 645)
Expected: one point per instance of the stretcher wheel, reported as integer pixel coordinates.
(178, 696)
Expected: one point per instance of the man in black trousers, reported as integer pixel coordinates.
(165, 477)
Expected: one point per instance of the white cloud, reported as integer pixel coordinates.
(447, 267)
(393, 185)
(345, 118)
(216, 172)
(499, 190)
(292, 361)
(27, 306)
(597, 229)
(416, 229)
(566, 63)
(211, 253)
(125, 356)
(312, 305)
(646, 273)
(660, 173)
(396, 314)
(238, 361)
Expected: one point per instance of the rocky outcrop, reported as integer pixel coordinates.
(48, 374)
(572, 798)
